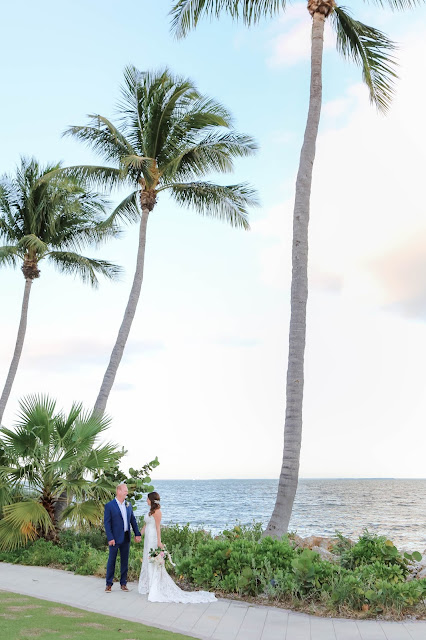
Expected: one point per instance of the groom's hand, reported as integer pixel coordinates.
(138, 538)
(111, 543)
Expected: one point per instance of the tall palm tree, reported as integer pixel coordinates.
(47, 216)
(168, 137)
(50, 457)
(373, 52)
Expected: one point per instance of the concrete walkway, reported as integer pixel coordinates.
(221, 620)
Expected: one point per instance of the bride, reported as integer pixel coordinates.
(154, 579)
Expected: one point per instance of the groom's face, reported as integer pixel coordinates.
(122, 492)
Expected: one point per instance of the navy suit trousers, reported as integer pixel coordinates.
(124, 560)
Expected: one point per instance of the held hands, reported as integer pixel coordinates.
(138, 538)
(111, 543)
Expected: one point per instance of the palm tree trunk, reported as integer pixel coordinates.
(18, 348)
(129, 314)
(278, 524)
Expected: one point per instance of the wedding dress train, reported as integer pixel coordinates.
(156, 582)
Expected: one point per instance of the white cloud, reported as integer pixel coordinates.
(293, 42)
(367, 200)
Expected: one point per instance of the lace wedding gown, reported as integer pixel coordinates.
(156, 582)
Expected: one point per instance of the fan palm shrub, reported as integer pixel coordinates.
(55, 466)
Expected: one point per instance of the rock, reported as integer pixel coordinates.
(296, 540)
(421, 574)
(417, 569)
(316, 541)
(325, 555)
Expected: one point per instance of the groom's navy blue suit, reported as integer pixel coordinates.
(114, 528)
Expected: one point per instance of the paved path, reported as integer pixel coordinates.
(221, 620)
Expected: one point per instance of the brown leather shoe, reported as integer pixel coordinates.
(108, 588)
(124, 587)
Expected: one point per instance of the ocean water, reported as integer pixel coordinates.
(391, 507)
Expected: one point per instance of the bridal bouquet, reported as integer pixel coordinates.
(160, 555)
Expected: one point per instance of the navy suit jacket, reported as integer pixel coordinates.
(113, 521)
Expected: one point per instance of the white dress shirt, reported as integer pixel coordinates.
(122, 507)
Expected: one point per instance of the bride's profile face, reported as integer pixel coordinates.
(148, 502)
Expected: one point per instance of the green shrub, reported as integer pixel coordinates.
(281, 585)
(252, 532)
(358, 589)
(182, 541)
(237, 565)
(371, 549)
(372, 574)
(72, 539)
(311, 574)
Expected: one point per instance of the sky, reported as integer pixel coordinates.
(202, 382)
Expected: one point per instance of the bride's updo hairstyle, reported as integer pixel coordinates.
(154, 498)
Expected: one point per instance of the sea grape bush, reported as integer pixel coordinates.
(371, 549)
(237, 564)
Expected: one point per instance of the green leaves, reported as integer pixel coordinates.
(370, 49)
(366, 46)
(21, 522)
(53, 459)
(186, 13)
(215, 152)
(50, 212)
(85, 268)
(397, 5)
(224, 202)
(169, 135)
(137, 480)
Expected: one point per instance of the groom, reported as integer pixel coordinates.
(118, 517)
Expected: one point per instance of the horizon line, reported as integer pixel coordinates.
(301, 478)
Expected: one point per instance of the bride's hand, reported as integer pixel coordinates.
(161, 545)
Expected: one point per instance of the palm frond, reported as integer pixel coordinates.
(10, 255)
(228, 203)
(102, 457)
(85, 268)
(35, 418)
(127, 211)
(149, 107)
(397, 5)
(65, 423)
(370, 49)
(215, 152)
(89, 425)
(21, 522)
(103, 137)
(83, 513)
(32, 242)
(187, 13)
(98, 176)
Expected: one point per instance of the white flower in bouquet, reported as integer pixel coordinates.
(160, 555)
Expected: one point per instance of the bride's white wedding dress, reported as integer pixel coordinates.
(156, 582)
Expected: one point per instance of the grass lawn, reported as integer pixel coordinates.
(22, 618)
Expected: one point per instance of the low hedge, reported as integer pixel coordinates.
(369, 576)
